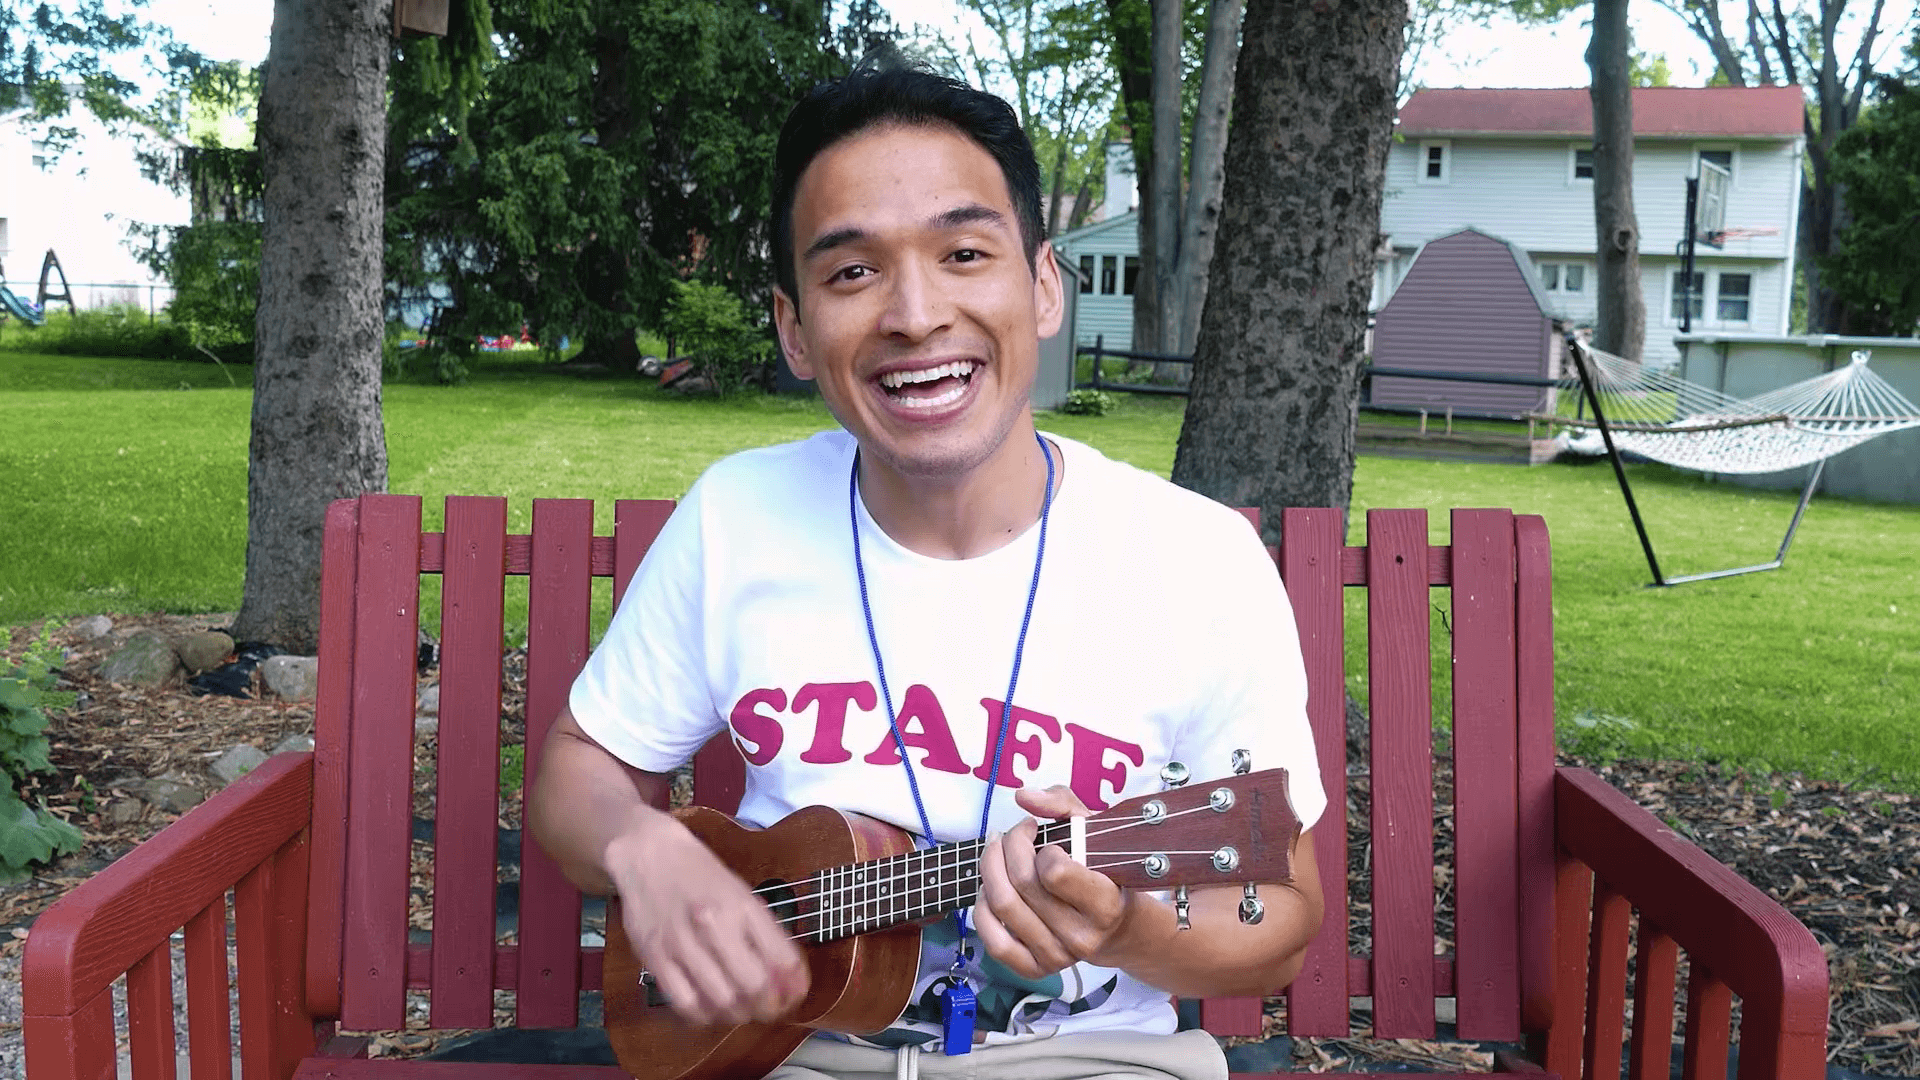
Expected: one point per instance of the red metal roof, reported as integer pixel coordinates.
(1668, 110)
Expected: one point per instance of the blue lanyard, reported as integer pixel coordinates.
(1006, 705)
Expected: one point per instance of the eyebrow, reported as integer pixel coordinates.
(971, 213)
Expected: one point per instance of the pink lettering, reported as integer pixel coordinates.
(933, 736)
(750, 724)
(1090, 767)
(1027, 749)
(830, 723)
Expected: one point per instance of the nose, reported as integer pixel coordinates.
(916, 304)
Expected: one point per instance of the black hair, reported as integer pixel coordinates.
(885, 88)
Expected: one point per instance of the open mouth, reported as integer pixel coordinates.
(929, 388)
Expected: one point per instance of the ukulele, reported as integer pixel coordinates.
(855, 892)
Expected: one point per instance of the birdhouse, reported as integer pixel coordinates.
(420, 17)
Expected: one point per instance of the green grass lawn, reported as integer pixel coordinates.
(127, 485)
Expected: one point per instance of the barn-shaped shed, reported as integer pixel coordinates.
(1470, 304)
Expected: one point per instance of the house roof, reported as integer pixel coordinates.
(1093, 228)
(1718, 111)
(1523, 261)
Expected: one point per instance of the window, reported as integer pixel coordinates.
(1563, 277)
(1436, 165)
(1086, 273)
(1678, 305)
(1108, 263)
(1583, 163)
(1735, 296)
(1131, 275)
(1721, 157)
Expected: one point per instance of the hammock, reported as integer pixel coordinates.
(1661, 416)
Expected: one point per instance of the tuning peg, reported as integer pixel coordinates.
(1252, 910)
(1173, 774)
(1180, 909)
(1242, 762)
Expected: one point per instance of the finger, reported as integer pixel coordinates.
(1002, 945)
(1031, 913)
(1096, 900)
(1053, 802)
(785, 963)
(750, 987)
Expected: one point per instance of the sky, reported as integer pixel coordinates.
(1504, 54)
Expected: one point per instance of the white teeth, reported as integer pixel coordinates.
(933, 402)
(893, 380)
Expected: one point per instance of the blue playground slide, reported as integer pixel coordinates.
(18, 307)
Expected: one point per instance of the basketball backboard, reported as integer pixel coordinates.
(1710, 214)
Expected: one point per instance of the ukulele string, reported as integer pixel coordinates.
(841, 880)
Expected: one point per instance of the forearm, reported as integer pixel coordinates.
(584, 801)
(1219, 956)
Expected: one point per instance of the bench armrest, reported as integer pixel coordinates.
(1738, 941)
(249, 838)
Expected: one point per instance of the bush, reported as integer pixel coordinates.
(1088, 403)
(711, 323)
(29, 834)
(122, 330)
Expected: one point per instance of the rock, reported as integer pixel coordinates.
(297, 743)
(292, 678)
(91, 628)
(123, 812)
(204, 650)
(170, 792)
(426, 725)
(429, 703)
(147, 659)
(237, 762)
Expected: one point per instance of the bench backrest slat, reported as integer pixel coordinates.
(1502, 969)
(1533, 659)
(467, 794)
(1486, 870)
(1312, 545)
(1400, 702)
(558, 617)
(380, 793)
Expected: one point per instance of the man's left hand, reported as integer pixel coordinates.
(1039, 911)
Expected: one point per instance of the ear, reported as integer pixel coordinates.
(1049, 300)
(786, 320)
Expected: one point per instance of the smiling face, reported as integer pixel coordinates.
(917, 311)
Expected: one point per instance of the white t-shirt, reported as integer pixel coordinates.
(1160, 633)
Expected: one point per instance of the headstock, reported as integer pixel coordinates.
(1239, 829)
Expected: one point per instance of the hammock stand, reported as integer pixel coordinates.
(1735, 416)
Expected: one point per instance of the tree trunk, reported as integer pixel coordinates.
(1620, 325)
(1160, 261)
(317, 432)
(1133, 64)
(1276, 379)
(1206, 174)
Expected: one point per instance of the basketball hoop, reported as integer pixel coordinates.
(1737, 232)
(1710, 215)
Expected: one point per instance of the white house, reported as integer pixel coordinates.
(1106, 252)
(79, 203)
(1519, 164)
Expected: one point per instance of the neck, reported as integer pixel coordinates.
(863, 897)
(965, 516)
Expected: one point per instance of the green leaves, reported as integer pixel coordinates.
(29, 834)
(1877, 164)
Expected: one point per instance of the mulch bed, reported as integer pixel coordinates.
(1843, 860)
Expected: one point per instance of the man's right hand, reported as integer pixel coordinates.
(715, 950)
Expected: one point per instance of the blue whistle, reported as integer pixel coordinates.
(956, 1013)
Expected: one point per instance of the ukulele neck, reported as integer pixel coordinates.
(859, 898)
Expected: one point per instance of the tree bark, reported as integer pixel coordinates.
(1206, 169)
(1133, 64)
(1276, 379)
(1160, 260)
(317, 429)
(1620, 325)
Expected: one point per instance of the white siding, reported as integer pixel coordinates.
(1524, 190)
(1101, 314)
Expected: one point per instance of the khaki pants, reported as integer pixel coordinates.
(1103, 1055)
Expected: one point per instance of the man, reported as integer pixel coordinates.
(937, 582)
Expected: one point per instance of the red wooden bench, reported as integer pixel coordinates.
(1550, 870)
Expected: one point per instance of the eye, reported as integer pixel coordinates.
(968, 255)
(851, 273)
